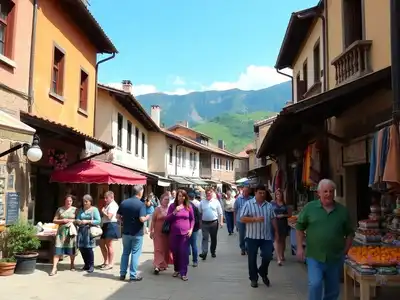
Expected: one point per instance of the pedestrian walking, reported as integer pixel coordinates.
(228, 202)
(282, 213)
(132, 213)
(211, 220)
(329, 238)
(193, 249)
(241, 227)
(87, 217)
(162, 257)
(181, 219)
(259, 217)
(111, 230)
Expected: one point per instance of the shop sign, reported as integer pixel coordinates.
(92, 148)
(355, 153)
(12, 208)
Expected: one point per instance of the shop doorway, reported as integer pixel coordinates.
(363, 192)
(46, 196)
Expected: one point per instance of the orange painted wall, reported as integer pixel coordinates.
(55, 28)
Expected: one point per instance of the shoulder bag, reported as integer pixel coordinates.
(166, 228)
(95, 230)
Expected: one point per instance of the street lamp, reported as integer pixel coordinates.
(33, 152)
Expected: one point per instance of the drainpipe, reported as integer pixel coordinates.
(32, 57)
(291, 78)
(95, 91)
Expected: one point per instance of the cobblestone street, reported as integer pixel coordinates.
(224, 277)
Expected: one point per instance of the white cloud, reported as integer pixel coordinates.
(179, 81)
(253, 78)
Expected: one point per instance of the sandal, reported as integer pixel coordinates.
(156, 271)
(175, 274)
(53, 273)
(184, 278)
(107, 267)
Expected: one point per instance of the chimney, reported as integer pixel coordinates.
(127, 86)
(221, 144)
(156, 114)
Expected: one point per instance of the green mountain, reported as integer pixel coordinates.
(223, 115)
(200, 107)
(236, 130)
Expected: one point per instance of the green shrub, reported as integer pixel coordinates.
(20, 238)
(7, 260)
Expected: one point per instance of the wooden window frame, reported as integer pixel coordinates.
(317, 73)
(136, 141)
(119, 130)
(143, 144)
(9, 31)
(345, 29)
(129, 136)
(58, 93)
(83, 91)
(305, 74)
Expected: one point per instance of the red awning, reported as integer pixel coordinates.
(93, 171)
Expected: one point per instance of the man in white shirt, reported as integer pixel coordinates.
(172, 197)
(211, 219)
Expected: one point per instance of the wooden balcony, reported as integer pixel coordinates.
(354, 62)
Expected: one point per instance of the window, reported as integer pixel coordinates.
(191, 159)
(305, 75)
(353, 21)
(143, 144)
(83, 95)
(194, 160)
(129, 136)
(119, 132)
(6, 27)
(184, 157)
(179, 156)
(171, 153)
(136, 141)
(232, 162)
(215, 163)
(300, 88)
(58, 72)
(317, 63)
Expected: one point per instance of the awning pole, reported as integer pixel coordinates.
(395, 53)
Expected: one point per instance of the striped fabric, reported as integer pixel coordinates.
(240, 201)
(258, 231)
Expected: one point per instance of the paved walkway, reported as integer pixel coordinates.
(222, 278)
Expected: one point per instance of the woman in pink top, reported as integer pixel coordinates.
(181, 219)
(162, 257)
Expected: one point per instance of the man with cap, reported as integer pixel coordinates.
(194, 237)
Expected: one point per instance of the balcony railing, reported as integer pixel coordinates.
(353, 62)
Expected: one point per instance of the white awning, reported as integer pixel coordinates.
(14, 130)
(164, 183)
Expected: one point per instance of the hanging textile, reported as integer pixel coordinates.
(391, 173)
(373, 162)
(306, 165)
(315, 165)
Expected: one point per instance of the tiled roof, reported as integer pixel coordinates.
(265, 121)
(198, 146)
(31, 118)
(187, 128)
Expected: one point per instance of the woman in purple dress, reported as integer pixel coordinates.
(181, 219)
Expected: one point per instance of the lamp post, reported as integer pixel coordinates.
(33, 152)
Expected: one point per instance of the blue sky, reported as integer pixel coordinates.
(178, 46)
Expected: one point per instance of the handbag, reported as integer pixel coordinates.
(95, 230)
(166, 228)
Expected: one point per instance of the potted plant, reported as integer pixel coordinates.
(22, 243)
(7, 266)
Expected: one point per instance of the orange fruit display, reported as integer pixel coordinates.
(375, 255)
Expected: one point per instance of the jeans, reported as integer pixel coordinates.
(132, 246)
(229, 221)
(88, 257)
(193, 247)
(242, 234)
(324, 279)
(266, 247)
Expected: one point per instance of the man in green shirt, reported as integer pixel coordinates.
(329, 237)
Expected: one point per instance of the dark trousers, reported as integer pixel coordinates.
(88, 257)
(252, 253)
(242, 235)
(229, 221)
(209, 230)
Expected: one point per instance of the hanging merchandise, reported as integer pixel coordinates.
(382, 141)
(392, 169)
(311, 165)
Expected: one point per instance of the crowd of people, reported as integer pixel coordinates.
(174, 221)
